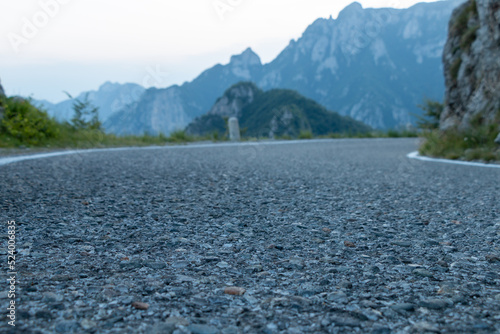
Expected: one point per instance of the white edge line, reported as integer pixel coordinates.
(417, 156)
(13, 159)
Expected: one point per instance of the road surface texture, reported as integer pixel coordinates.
(335, 236)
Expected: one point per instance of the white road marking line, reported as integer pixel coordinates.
(417, 156)
(13, 159)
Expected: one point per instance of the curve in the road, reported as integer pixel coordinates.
(413, 155)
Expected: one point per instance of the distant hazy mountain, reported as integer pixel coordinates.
(375, 65)
(173, 108)
(275, 113)
(109, 98)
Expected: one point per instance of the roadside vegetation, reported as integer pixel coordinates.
(476, 143)
(25, 126)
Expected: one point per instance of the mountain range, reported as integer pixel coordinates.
(374, 65)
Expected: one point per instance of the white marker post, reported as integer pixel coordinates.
(234, 129)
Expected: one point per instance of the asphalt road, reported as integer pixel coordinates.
(324, 236)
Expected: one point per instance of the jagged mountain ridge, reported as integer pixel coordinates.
(375, 65)
(274, 113)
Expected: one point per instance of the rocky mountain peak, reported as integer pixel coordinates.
(246, 58)
(243, 66)
(354, 9)
(108, 86)
(235, 99)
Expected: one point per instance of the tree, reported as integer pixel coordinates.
(86, 114)
(432, 114)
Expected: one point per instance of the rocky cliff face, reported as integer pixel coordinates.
(157, 111)
(234, 100)
(2, 92)
(472, 64)
(375, 65)
(228, 105)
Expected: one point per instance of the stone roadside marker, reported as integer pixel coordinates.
(234, 129)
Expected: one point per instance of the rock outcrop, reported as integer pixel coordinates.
(229, 105)
(472, 64)
(234, 100)
(157, 111)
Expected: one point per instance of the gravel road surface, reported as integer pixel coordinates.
(334, 236)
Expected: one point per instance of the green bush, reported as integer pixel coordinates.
(26, 123)
(474, 143)
(305, 134)
(179, 136)
(432, 114)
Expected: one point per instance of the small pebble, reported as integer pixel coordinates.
(235, 291)
(140, 306)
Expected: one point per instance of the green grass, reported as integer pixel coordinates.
(305, 135)
(178, 136)
(69, 138)
(475, 143)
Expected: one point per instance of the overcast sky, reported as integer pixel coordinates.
(48, 46)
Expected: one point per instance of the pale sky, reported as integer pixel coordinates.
(48, 46)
